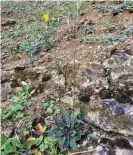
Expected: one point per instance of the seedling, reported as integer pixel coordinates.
(18, 103)
(11, 146)
(110, 27)
(89, 29)
(51, 107)
(50, 147)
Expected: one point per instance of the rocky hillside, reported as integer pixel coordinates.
(67, 78)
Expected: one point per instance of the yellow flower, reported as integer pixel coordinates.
(46, 17)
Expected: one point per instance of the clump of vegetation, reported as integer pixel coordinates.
(11, 146)
(117, 9)
(18, 103)
(114, 38)
(69, 129)
(41, 144)
(128, 3)
(48, 146)
(82, 12)
(51, 107)
(89, 29)
(128, 30)
(93, 40)
(102, 9)
(110, 27)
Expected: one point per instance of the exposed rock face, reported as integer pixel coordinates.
(107, 89)
(6, 90)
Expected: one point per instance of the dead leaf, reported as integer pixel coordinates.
(39, 129)
(31, 139)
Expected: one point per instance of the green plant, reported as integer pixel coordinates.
(58, 64)
(11, 146)
(89, 29)
(18, 103)
(82, 12)
(128, 3)
(110, 27)
(14, 146)
(48, 146)
(93, 40)
(51, 107)
(117, 9)
(69, 129)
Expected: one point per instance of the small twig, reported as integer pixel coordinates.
(75, 153)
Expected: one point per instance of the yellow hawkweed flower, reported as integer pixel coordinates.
(46, 17)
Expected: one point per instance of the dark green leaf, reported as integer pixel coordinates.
(73, 143)
(65, 143)
(56, 132)
(82, 112)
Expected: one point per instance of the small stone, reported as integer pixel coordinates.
(119, 110)
(7, 132)
(102, 152)
(8, 22)
(112, 102)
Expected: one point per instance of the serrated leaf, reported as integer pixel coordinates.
(94, 136)
(57, 111)
(45, 104)
(51, 102)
